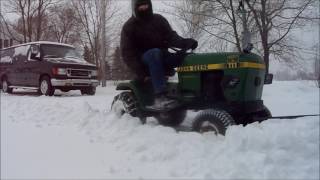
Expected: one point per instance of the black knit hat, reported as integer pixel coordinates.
(136, 13)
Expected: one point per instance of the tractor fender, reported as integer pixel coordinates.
(142, 93)
(125, 86)
(129, 86)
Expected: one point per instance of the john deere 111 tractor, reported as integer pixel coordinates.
(225, 88)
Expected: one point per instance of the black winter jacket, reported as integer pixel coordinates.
(140, 35)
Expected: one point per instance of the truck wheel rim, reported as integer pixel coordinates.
(207, 126)
(44, 87)
(5, 86)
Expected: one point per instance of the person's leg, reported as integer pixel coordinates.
(153, 59)
(171, 61)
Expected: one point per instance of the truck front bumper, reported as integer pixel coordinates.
(74, 82)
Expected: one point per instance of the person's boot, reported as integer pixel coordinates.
(162, 102)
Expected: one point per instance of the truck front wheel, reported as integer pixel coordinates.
(45, 87)
(5, 86)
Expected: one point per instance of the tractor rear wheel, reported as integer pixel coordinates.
(172, 118)
(126, 103)
(213, 120)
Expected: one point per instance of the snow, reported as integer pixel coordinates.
(70, 60)
(73, 136)
(6, 59)
(41, 42)
(21, 50)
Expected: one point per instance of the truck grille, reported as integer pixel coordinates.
(78, 73)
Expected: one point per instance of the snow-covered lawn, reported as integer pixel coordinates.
(74, 136)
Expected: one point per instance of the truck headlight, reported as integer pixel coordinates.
(94, 73)
(59, 71)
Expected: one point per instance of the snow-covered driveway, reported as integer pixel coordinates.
(74, 136)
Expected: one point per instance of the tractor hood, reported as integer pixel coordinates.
(212, 61)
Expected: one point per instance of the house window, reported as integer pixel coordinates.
(0, 43)
(11, 42)
(6, 43)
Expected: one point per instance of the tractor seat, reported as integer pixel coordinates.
(168, 73)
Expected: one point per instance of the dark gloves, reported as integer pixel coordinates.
(190, 43)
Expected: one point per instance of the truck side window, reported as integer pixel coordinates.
(34, 52)
(6, 55)
(20, 53)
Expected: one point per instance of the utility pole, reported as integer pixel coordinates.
(103, 42)
(247, 46)
(1, 30)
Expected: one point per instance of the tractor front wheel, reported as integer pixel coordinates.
(126, 103)
(212, 120)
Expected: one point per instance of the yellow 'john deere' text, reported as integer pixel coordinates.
(230, 65)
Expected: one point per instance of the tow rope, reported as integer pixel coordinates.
(293, 117)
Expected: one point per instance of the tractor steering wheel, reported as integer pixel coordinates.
(182, 51)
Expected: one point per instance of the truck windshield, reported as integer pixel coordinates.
(59, 51)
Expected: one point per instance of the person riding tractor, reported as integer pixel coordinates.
(145, 39)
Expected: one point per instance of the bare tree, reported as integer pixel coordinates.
(219, 19)
(89, 15)
(274, 20)
(189, 12)
(270, 23)
(32, 17)
(317, 64)
(63, 24)
(7, 30)
(103, 41)
(41, 8)
(86, 13)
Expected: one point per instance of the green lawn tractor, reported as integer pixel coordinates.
(224, 88)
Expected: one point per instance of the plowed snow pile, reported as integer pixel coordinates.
(74, 136)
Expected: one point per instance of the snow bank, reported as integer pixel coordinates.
(74, 136)
(6, 59)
